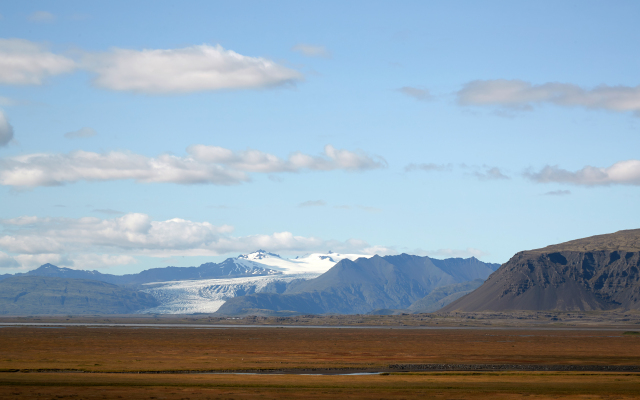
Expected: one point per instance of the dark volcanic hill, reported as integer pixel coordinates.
(595, 273)
(37, 295)
(363, 285)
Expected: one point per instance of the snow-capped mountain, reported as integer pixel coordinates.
(310, 263)
(207, 295)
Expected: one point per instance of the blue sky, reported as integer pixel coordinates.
(145, 134)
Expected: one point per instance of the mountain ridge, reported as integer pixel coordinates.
(363, 285)
(593, 273)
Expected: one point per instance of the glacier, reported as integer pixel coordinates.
(207, 295)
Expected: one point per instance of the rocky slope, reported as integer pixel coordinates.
(595, 273)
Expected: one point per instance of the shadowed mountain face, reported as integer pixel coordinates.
(37, 295)
(444, 295)
(363, 285)
(595, 273)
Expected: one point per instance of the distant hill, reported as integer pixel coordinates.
(226, 269)
(595, 273)
(36, 295)
(363, 285)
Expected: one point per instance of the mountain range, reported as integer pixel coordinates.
(394, 282)
(363, 286)
(258, 263)
(595, 273)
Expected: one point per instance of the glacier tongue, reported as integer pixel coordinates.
(207, 295)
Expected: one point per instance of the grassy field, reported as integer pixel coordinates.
(108, 352)
(393, 386)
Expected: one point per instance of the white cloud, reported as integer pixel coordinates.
(190, 69)
(56, 169)
(310, 50)
(523, 95)
(99, 242)
(6, 130)
(205, 164)
(621, 173)
(81, 133)
(42, 16)
(7, 262)
(30, 261)
(416, 93)
(26, 63)
(257, 161)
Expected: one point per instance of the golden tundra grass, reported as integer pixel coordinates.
(100, 350)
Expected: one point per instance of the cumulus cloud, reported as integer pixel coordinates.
(621, 173)
(313, 203)
(6, 130)
(428, 167)
(26, 63)
(416, 93)
(30, 261)
(117, 241)
(190, 69)
(203, 165)
(257, 161)
(56, 169)
(81, 133)
(41, 16)
(523, 95)
(310, 50)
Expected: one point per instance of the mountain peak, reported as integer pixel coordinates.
(258, 255)
(48, 266)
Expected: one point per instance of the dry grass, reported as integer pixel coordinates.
(402, 386)
(149, 349)
(155, 349)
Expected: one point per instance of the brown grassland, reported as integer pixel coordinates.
(46, 363)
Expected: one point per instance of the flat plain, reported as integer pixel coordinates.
(180, 363)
